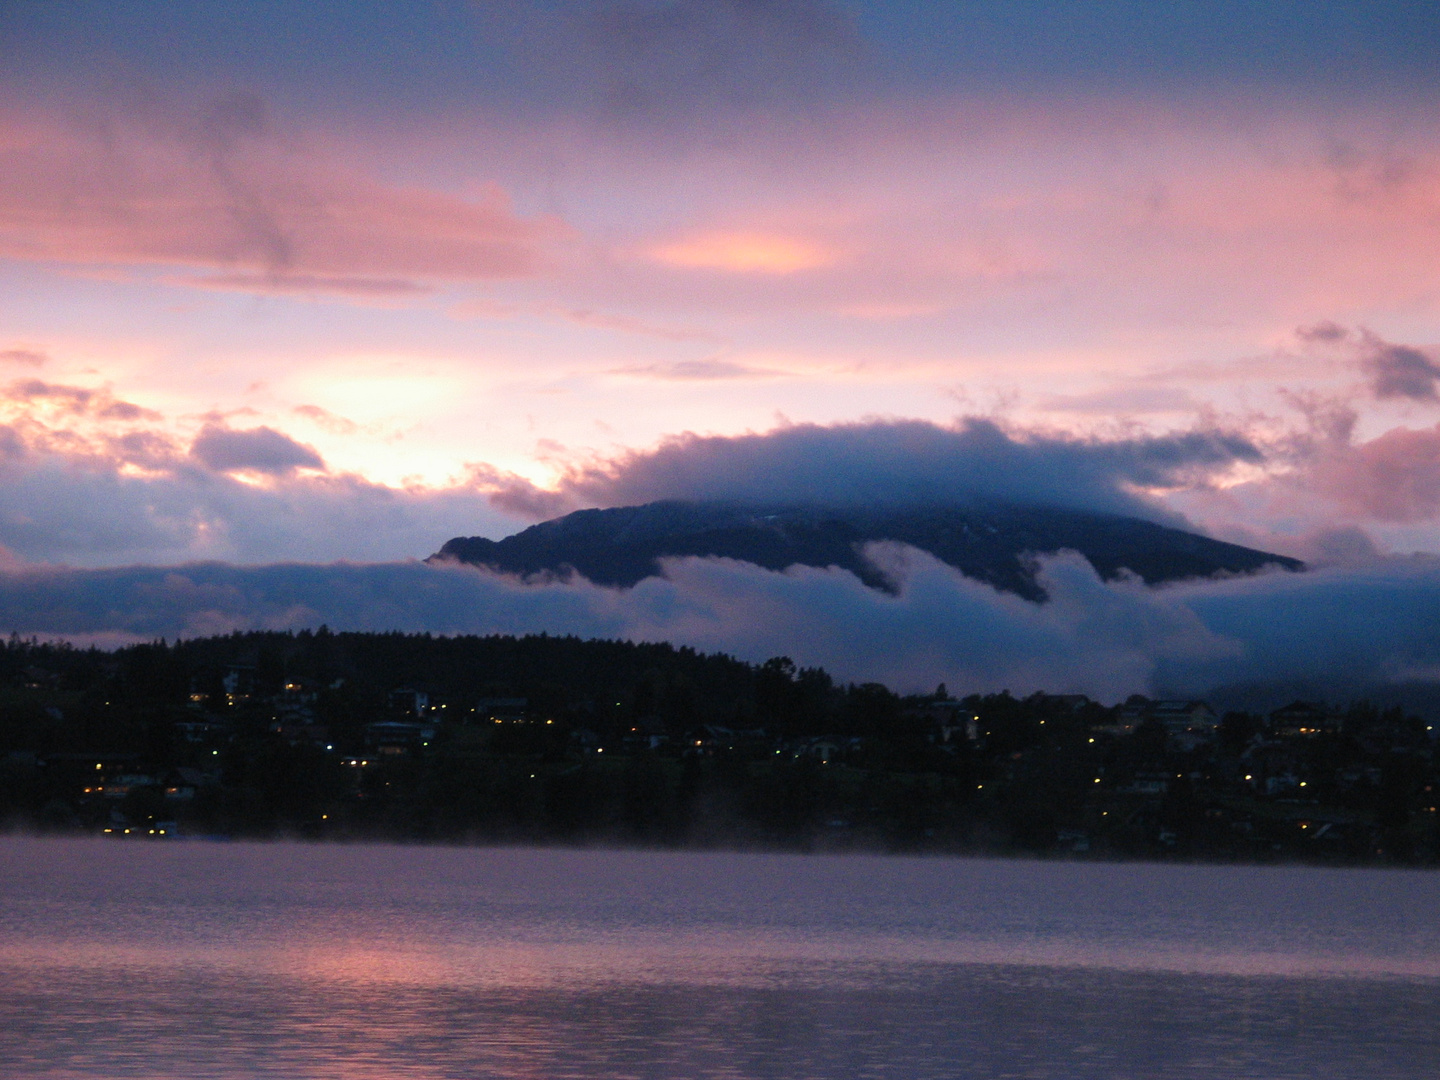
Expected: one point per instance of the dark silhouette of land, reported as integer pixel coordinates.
(559, 740)
(989, 542)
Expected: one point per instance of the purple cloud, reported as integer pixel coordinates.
(25, 357)
(260, 449)
(1399, 371)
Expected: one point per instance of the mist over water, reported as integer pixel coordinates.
(239, 960)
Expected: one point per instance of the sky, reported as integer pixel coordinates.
(286, 283)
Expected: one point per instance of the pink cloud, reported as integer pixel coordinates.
(1111, 218)
(1325, 484)
(485, 308)
(24, 357)
(360, 288)
(73, 398)
(248, 211)
(511, 493)
(697, 371)
(325, 419)
(77, 400)
(1395, 477)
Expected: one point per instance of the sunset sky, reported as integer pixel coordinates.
(333, 281)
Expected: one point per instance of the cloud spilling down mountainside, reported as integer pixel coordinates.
(989, 542)
(1336, 631)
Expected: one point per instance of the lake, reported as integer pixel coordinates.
(227, 960)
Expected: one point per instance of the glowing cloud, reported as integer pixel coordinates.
(744, 253)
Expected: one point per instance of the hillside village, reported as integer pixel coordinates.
(557, 740)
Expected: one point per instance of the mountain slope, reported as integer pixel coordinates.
(989, 542)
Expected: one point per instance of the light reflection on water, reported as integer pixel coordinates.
(238, 960)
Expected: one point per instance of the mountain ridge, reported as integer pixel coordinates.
(988, 541)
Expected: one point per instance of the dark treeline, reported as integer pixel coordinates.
(559, 740)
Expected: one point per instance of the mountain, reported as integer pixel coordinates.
(990, 542)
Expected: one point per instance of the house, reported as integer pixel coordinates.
(409, 699)
(1123, 719)
(1303, 719)
(1132, 714)
(1359, 776)
(1147, 783)
(648, 732)
(1269, 758)
(501, 710)
(949, 721)
(714, 738)
(120, 786)
(1187, 723)
(37, 678)
(238, 683)
(199, 731)
(1283, 783)
(1184, 717)
(392, 737)
(1114, 724)
(822, 750)
(1071, 703)
(121, 826)
(88, 774)
(299, 688)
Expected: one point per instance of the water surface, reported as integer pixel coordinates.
(246, 960)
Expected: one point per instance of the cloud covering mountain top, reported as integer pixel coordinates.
(893, 463)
